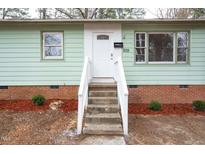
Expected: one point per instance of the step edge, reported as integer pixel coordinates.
(100, 97)
(103, 115)
(98, 105)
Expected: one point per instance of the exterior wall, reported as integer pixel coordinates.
(192, 73)
(166, 94)
(20, 56)
(27, 92)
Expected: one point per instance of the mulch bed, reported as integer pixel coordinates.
(27, 105)
(72, 105)
(167, 109)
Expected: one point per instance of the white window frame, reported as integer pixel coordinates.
(188, 48)
(145, 61)
(174, 49)
(43, 46)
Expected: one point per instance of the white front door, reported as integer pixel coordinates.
(102, 55)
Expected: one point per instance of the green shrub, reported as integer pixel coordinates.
(154, 105)
(199, 105)
(38, 100)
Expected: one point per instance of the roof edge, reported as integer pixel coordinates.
(81, 21)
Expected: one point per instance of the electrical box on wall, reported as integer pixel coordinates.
(118, 44)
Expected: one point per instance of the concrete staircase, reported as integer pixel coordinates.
(103, 113)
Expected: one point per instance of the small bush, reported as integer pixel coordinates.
(154, 105)
(38, 100)
(199, 105)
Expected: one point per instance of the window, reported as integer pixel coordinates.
(52, 45)
(103, 37)
(182, 46)
(140, 47)
(161, 47)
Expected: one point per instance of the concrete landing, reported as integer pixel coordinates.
(103, 140)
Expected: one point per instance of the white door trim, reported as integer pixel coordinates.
(103, 65)
(89, 28)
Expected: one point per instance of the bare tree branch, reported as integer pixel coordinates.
(81, 12)
(94, 13)
(63, 11)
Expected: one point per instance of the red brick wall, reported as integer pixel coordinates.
(166, 94)
(26, 92)
(141, 94)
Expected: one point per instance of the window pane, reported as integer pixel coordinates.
(140, 55)
(181, 54)
(53, 51)
(53, 38)
(140, 40)
(140, 43)
(182, 39)
(103, 37)
(140, 36)
(161, 47)
(140, 51)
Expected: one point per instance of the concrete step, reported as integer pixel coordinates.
(102, 100)
(102, 116)
(103, 93)
(102, 86)
(103, 129)
(98, 118)
(103, 108)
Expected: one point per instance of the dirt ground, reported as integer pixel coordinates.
(169, 129)
(56, 127)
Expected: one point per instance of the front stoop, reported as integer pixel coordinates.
(103, 112)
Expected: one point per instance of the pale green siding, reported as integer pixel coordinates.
(20, 57)
(165, 74)
(21, 63)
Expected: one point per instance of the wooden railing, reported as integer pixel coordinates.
(83, 93)
(122, 92)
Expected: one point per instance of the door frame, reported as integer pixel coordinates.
(111, 42)
(90, 28)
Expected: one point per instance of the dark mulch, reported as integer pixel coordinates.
(167, 109)
(72, 105)
(27, 105)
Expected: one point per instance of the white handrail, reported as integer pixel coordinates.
(83, 93)
(122, 91)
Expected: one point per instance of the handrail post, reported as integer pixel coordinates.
(82, 94)
(79, 122)
(126, 115)
(122, 93)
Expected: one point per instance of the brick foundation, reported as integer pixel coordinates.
(26, 92)
(141, 94)
(166, 94)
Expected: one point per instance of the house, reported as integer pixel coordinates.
(100, 61)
